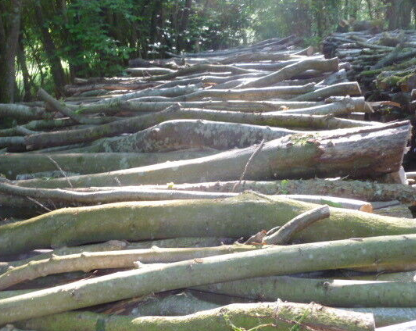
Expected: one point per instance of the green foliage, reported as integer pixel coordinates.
(97, 37)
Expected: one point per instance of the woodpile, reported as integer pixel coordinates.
(239, 189)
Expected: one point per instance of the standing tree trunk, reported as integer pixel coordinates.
(51, 52)
(9, 36)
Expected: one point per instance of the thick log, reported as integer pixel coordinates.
(230, 217)
(349, 153)
(184, 134)
(272, 261)
(274, 317)
(408, 326)
(132, 125)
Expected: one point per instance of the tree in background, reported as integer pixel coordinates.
(10, 13)
(59, 40)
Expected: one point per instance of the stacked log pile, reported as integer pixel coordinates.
(384, 64)
(228, 190)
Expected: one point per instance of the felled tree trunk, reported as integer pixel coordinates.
(349, 153)
(266, 316)
(12, 165)
(273, 261)
(132, 125)
(184, 134)
(353, 189)
(331, 292)
(230, 217)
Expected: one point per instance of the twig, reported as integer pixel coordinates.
(60, 169)
(257, 151)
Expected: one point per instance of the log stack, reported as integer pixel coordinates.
(230, 189)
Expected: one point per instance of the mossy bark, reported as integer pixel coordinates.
(265, 316)
(345, 153)
(281, 260)
(233, 217)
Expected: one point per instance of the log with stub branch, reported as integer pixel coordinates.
(231, 217)
(346, 153)
(152, 279)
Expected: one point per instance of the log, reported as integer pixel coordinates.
(132, 125)
(408, 326)
(274, 316)
(330, 292)
(13, 165)
(251, 94)
(185, 134)
(354, 189)
(126, 259)
(135, 106)
(117, 245)
(272, 261)
(22, 112)
(352, 89)
(349, 153)
(230, 217)
(292, 70)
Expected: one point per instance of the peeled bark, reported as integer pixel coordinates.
(349, 153)
(230, 217)
(265, 316)
(273, 261)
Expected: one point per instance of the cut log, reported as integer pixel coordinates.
(132, 125)
(277, 261)
(13, 165)
(348, 153)
(126, 259)
(354, 189)
(230, 217)
(330, 292)
(293, 70)
(184, 134)
(265, 316)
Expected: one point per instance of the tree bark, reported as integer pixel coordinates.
(266, 316)
(349, 153)
(230, 217)
(9, 38)
(273, 261)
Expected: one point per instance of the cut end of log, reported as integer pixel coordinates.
(367, 208)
